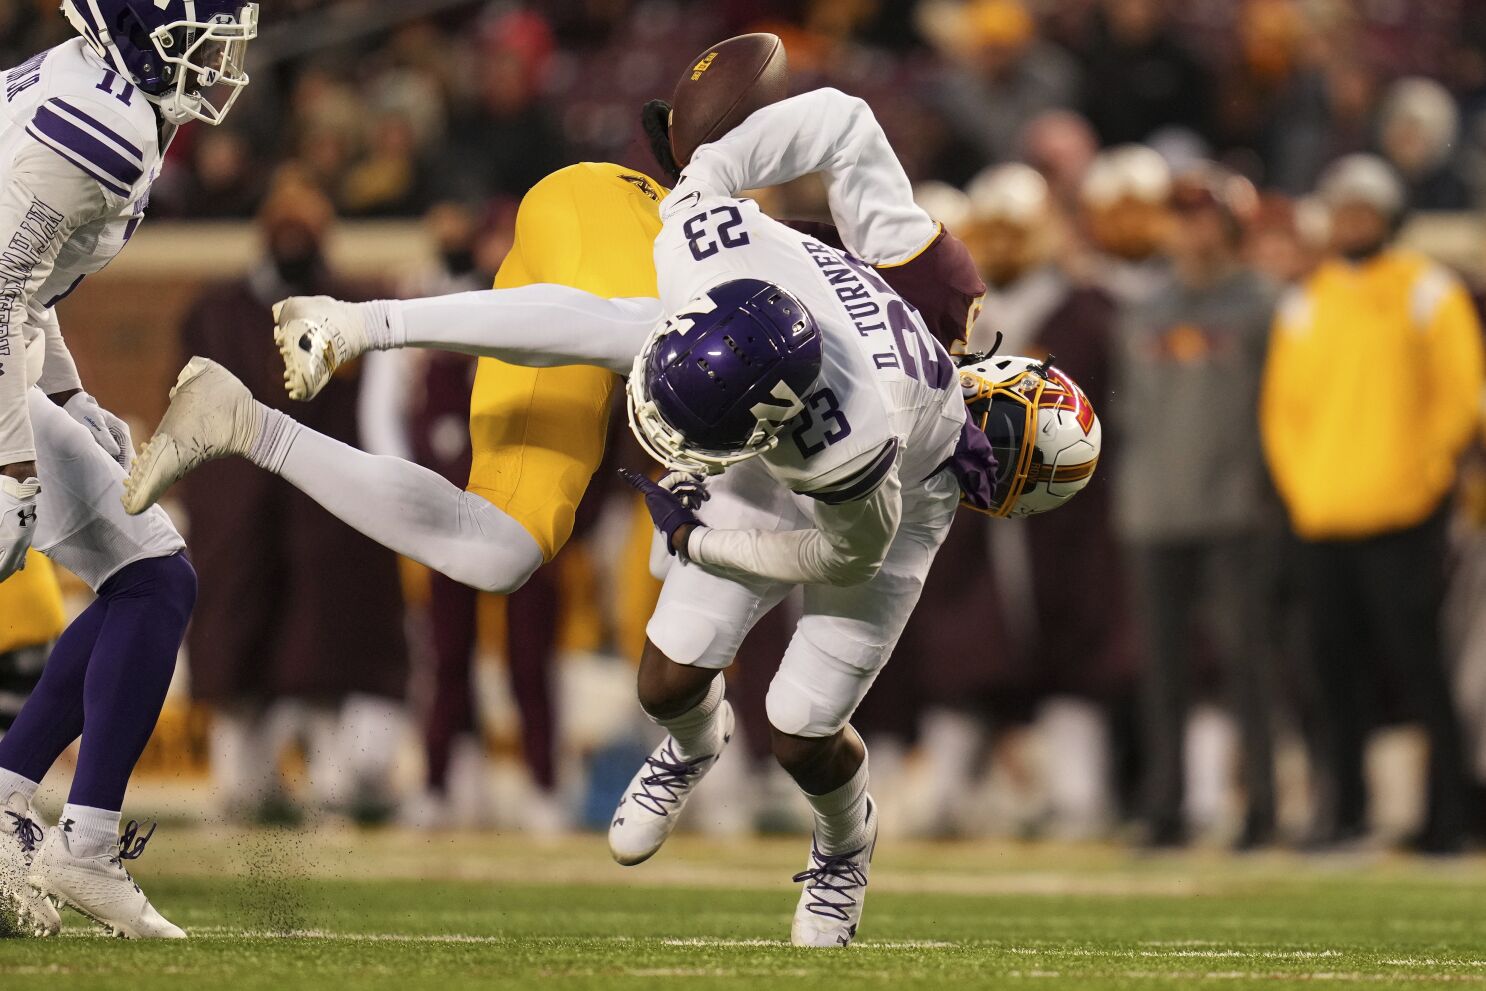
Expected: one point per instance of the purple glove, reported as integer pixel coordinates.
(666, 508)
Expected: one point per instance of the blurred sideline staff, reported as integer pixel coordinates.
(1193, 503)
(274, 649)
(1371, 393)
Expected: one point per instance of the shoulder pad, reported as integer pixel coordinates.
(115, 146)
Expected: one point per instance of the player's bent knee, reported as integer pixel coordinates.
(685, 636)
(795, 711)
(492, 552)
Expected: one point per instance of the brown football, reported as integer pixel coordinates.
(722, 86)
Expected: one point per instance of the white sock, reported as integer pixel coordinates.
(382, 323)
(276, 435)
(841, 815)
(90, 832)
(696, 729)
(402, 506)
(12, 783)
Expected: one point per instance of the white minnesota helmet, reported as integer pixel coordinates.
(1041, 426)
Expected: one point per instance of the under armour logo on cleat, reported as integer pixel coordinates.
(66, 825)
(27, 517)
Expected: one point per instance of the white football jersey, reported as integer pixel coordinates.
(887, 390)
(79, 148)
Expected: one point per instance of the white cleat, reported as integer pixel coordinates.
(652, 803)
(23, 911)
(316, 335)
(835, 887)
(211, 415)
(100, 887)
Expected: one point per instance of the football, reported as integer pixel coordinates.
(722, 86)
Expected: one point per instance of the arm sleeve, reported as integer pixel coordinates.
(829, 132)
(540, 326)
(59, 374)
(847, 546)
(42, 201)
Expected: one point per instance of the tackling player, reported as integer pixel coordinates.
(83, 128)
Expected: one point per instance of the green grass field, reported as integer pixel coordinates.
(411, 911)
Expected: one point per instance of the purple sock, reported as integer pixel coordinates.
(108, 682)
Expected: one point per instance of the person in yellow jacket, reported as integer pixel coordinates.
(1372, 390)
(31, 617)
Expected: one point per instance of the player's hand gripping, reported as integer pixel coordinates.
(672, 503)
(17, 522)
(110, 432)
(316, 335)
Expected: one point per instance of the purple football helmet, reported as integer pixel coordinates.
(175, 51)
(716, 382)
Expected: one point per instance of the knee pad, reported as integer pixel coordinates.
(689, 637)
(814, 694)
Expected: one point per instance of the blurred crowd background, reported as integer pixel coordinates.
(1251, 229)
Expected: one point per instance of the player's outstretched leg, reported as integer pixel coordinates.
(699, 727)
(211, 415)
(832, 771)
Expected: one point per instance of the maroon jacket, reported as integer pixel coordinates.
(272, 619)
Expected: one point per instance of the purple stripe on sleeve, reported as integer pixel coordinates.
(100, 127)
(85, 166)
(87, 147)
(864, 482)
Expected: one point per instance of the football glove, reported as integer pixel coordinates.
(667, 509)
(655, 118)
(688, 486)
(17, 522)
(110, 432)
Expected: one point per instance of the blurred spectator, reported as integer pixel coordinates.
(1139, 77)
(275, 650)
(1285, 238)
(507, 137)
(1061, 145)
(1078, 664)
(1191, 495)
(1417, 128)
(1372, 390)
(1124, 196)
(390, 179)
(222, 181)
(1001, 75)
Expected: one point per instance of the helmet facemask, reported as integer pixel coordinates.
(208, 57)
(1006, 412)
(191, 68)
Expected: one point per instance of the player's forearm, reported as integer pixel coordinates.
(829, 132)
(848, 546)
(540, 326)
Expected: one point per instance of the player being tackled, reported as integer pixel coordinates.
(818, 435)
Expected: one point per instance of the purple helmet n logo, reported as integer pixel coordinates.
(725, 375)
